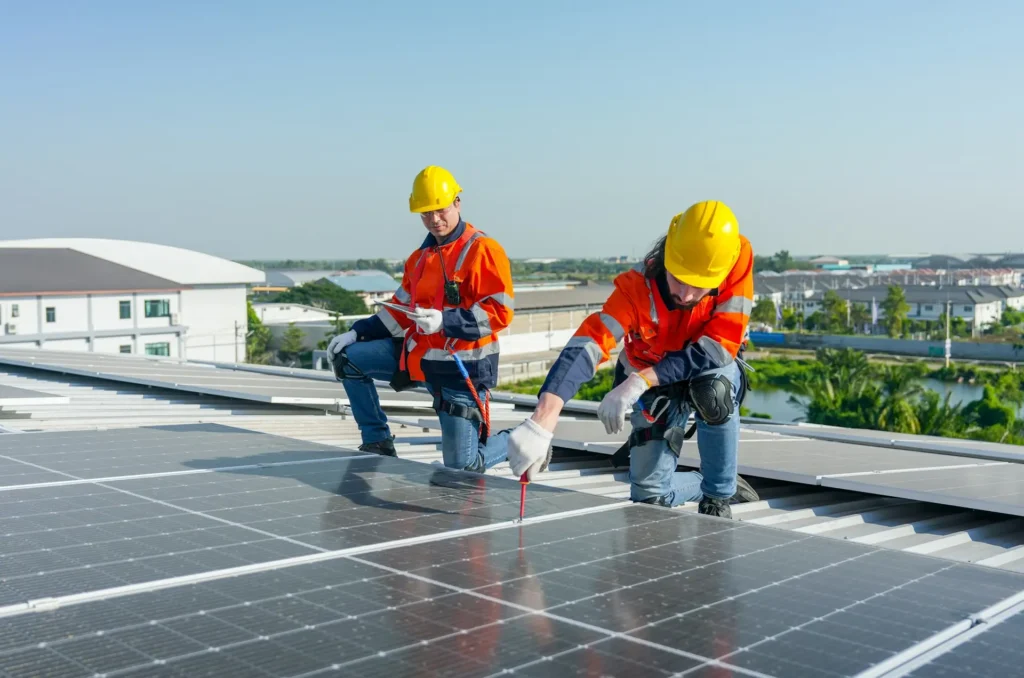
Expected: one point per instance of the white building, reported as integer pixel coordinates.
(110, 296)
(281, 314)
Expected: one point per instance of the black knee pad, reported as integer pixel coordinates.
(711, 395)
(344, 368)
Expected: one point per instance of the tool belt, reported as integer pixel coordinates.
(469, 412)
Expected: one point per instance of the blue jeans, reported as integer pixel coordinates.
(652, 466)
(460, 438)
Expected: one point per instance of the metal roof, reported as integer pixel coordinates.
(955, 534)
(30, 271)
(365, 281)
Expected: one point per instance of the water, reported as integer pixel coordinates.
(775, 402)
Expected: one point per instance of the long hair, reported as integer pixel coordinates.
(654, 261)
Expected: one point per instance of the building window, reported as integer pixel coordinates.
(14, 311)
(51, 314)
(158, 308)
(929, 307)
(968, 309)
(161, 348)
(125, 348)
(126, 311)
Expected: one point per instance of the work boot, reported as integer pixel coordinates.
(385, 448)
(744, 492)
(712, 506)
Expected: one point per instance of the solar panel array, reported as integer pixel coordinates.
(207, 550)
(12, 396)
(197, 378)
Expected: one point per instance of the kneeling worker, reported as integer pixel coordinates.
(682, 313)
(457, 287)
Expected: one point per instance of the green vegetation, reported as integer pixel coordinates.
(257, 337)
(322, 294)
(779, 262)
(326, 265)
(291, 344)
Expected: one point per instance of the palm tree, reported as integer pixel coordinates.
(896, 411)
(937, 417)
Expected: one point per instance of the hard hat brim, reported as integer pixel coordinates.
(674, 265)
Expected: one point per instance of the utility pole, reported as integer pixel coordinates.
(949, 343)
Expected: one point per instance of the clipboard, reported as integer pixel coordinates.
(396, 307)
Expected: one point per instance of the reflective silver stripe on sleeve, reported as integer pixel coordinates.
(483, 321)
(590, 346)
(506, 300)
(389, 322)
(735, 305)
(402, 296)
(613, 326)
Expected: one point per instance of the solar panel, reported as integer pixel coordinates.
(12, 396)
(996, 487)
(196, 378)
(360, 565)
(994, 651)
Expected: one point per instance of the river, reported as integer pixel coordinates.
(775, 402)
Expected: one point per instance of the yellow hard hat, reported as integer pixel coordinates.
(703, 244)
(434, 188)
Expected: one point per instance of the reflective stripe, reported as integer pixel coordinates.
(468, 355)
(465, 250)
(588, 345)
(506, 300)
(402, 296)
(735, 305)
(389, 322)
(654, 309)
(613, 326)
(483, 321)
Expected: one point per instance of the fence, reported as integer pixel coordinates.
(961, 350)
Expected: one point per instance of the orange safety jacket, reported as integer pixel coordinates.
(478, 265)
(678, 343)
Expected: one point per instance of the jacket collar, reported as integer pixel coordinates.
(431, 241)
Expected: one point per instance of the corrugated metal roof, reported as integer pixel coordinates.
(42, 270)
(945, 532)
(365, 281)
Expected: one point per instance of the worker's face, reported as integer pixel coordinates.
(442, 222)
(683, 295)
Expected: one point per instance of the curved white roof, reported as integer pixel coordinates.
(185, 267)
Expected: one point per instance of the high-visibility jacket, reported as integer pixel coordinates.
(481, 269)
(678, 343)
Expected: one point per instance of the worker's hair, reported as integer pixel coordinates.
(654, 261)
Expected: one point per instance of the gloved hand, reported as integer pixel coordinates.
(615, 406)
(339, 343)
(427, 319)
(528, 446)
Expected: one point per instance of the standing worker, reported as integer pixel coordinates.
(457, 287)
(683, 313)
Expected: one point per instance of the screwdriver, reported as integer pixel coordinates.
(523, 482)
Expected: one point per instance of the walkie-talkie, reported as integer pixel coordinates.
(451, 292)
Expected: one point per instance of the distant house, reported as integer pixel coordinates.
(821, 262)
(370, 285)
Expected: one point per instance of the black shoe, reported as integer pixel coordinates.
(712, 506)
(744, 492)
(385, 448)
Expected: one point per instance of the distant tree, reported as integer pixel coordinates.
(816, 322)
(257, 337)
(1011, 318)
(834, 309)
(790, 320)
(896, 308)
(323, 294)
(291, 343)
(764, 312)
(340, 327)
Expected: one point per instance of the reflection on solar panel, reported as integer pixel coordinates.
(195, 378)
(12, 396)
(207, 550)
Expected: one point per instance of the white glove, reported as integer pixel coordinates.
(528, 448)
(339, 343)
(427, 319)
(619, 401)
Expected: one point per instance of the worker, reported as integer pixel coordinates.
(454, 299)
(682, 313)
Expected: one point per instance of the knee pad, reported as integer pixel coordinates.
(711, 395)
(344, 368)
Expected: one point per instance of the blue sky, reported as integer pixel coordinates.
(272, 129)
